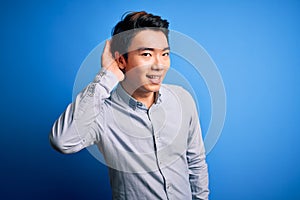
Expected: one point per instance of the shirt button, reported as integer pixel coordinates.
(169, 186)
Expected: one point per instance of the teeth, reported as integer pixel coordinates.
(154, 77)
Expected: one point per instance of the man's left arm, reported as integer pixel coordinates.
(198, 172)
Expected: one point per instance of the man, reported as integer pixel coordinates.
(148, 132)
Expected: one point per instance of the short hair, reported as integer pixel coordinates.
(131, 23)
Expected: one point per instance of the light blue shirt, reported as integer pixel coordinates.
(155, 153)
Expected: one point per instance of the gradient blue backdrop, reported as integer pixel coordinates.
(254, 44)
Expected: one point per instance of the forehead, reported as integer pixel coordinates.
(149, 39)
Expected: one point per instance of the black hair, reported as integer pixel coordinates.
(131, 23)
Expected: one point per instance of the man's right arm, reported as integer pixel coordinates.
(79, 126)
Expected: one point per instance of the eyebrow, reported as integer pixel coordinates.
(151, 49)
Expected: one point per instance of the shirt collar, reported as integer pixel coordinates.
(132, 102)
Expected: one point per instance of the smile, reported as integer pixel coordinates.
(153, 76)
(154, 79)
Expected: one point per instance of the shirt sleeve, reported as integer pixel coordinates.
(198, 172)
(77, 127)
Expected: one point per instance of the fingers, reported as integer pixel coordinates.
(109, 62)
(107, 58)
(106, 50)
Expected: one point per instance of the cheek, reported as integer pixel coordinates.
(137, 64)
(166, 60)
(167, 68)
(137, 72)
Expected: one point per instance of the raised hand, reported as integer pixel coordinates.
(109, 63)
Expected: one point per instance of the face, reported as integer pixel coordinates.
(147, 63)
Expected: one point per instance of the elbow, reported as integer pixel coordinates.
(64, 138)
(58, 145)
(63, 144)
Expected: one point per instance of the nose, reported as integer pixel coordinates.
(157, 67)
(159, 63)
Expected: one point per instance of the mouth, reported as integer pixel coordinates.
(154, 79)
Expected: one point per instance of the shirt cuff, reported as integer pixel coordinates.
(106, 80)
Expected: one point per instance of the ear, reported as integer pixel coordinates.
(120, 60)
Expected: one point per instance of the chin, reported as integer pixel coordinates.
(152, 87)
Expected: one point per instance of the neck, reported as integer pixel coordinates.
(145, 97)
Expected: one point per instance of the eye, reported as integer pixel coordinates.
(166, 54)
(146, 54)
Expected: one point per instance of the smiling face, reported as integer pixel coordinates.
(147, 62)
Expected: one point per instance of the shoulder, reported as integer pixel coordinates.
(175, 90)
(181, 97)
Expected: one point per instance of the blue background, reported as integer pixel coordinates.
(255, 45)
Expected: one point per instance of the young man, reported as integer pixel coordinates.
(148, 132)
